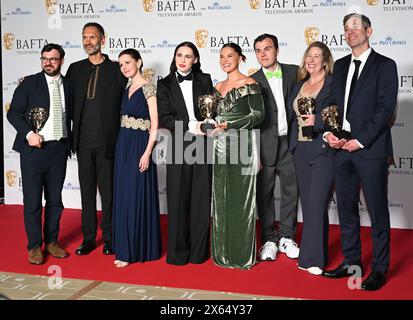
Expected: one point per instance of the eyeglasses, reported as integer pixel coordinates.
(52, 60)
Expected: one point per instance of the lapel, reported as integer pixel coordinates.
(196, 92)
(344, 73)
(262, 79)
(177, 93)
(285, 78)
(44, 88)
(325, 90)
(67, 93)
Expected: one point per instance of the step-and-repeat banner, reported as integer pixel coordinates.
(155, 27)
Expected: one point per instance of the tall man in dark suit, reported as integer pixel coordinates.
(98, 89)
(276, 80)
(365, 86)
(43, 154)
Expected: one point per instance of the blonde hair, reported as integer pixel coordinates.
(327, 60)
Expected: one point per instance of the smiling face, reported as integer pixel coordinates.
(128, 65)
(314, 61)
(229, 59)
(185, 59)
(356, 35)
(266, 53)
(92, 41)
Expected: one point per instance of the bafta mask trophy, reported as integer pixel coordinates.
(331, 120)
(306, 106)
(38, 117)
(207, 105)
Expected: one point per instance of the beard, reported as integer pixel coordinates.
(92, 50)
(51, 71)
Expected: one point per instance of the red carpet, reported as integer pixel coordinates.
(280, 278)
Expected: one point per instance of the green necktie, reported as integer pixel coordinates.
(277, 73)
(57, 111)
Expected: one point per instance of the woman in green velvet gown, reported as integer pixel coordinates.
(240, 109)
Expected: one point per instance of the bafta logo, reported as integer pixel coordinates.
(148, 5)
(201, 38)
(372, 2)
(8, 40)
(149, 74)
(7, 107)
(251, 71)
(311, 34)
(51, 6)
(11, 178)
(255, 4)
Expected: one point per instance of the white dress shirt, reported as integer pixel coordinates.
(363, 58)
(276, 85)
(186, 88)
(47, 130)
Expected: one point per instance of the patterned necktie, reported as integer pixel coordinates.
(277, 73)
(57, 111)
(353, 84)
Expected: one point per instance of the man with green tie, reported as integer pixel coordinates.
(40, 111)
(276, 80)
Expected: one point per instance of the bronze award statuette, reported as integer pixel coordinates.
(207, 105)
(306, 106)
(331, 120)
(38, 117)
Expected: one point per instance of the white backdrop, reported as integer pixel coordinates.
(155, 27)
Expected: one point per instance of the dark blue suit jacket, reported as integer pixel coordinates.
(373, 103)
(33, 92)
(320, 146)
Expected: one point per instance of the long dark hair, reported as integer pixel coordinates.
(236, 48)
(196, 67)
(134, 54)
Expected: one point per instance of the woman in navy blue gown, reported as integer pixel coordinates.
(136, 227)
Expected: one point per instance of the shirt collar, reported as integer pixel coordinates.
(50, 79)
(276, 68)
(183, 74)
(363, 57)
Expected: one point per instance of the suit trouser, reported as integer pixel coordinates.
(284, 167)
(43, 169)
(95, 171)
(351, 170)
(189, 210)
(315, 181)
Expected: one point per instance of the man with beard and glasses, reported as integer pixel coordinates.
(43, 149)
(98, 88)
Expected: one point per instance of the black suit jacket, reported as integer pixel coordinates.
(319, 145)
(33, 92)
(269, 127)
(111, 85)
(172, 107)
(171, 103)
(373, 103)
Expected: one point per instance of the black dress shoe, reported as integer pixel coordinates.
(342, 271)
(86, 248)
(107, 249)
(374, 281)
